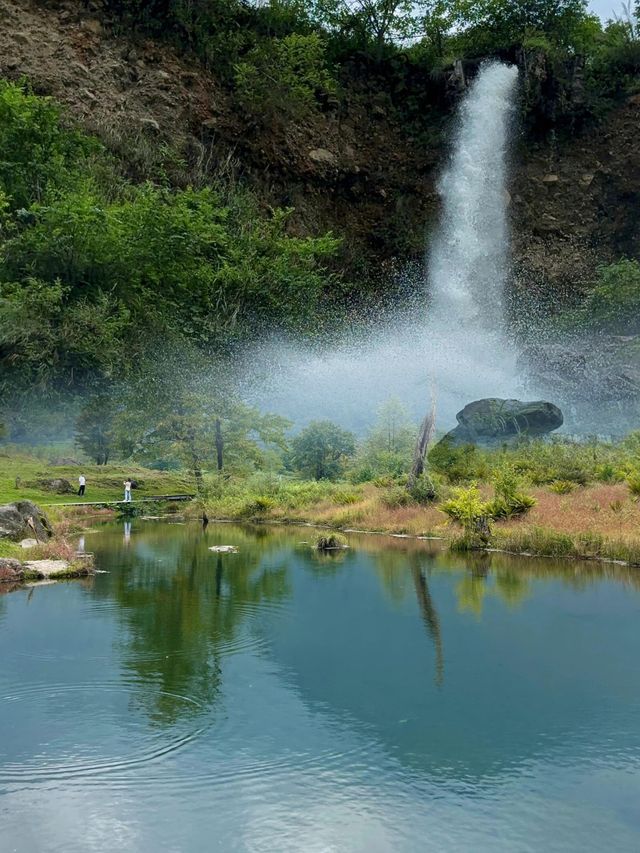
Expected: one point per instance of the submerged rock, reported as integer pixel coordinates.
(495, 421)
(21, 520)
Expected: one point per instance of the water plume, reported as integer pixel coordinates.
(458, 345)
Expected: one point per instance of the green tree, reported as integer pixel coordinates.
(94, 428)
(374, 25)
(50, 340)
(478, 27)
(394, 430)
(322, 450)
(182, 409)
(388, 447)
(185, 261)
(284, 77)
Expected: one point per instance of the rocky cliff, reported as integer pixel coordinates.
(356, 168)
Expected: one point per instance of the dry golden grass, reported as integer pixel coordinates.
(606, 510)
(368, 513)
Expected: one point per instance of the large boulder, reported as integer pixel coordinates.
(494, 421)
(23, 519)
(59, 485)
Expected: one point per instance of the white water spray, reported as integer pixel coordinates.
(469, 256)
(458, 345)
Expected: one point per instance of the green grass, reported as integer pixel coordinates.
(104, 483)
(11, 549)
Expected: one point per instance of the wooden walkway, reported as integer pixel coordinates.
(149, 499)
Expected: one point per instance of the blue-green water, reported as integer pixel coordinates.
(389, 698)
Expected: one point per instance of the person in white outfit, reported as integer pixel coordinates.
(127, 491)
(82, 483)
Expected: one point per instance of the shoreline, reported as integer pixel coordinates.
(445, 540)
(518, 537)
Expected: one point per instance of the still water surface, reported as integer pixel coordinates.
(389, 698)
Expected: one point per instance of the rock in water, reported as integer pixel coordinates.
(494, 421)
(224, 549)
(23, 519)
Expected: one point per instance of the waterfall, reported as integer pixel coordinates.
(469, 255)
(458, 344)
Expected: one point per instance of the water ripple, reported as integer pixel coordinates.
(73, 721)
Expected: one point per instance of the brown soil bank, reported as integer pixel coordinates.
(573, 202)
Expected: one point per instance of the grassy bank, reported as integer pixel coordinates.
(594, 515)
(24, 477)
(595, 521)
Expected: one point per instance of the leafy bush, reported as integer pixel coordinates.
(395, 497)
(284, 77)
(608, 473)
(471, 511)
(426, 489)
(509, 499)
(258, 506)
(345, 498)
(458, 464)
(633, 482)
(562, 487)
(37, 150)
(614, 302)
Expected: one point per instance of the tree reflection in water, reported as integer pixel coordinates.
(185, 608)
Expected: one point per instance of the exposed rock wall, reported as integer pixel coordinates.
(356, 169)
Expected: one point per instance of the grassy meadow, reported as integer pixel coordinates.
(22, 477)
(557, 498)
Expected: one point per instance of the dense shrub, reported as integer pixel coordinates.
(614, 302)
(633, 482)
(562, 487)
(509, 499)
(395, 497)
(284, 77)
(458, 464)
(37, 150)
(94, 272)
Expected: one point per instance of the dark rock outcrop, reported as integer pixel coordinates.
(23, 519)
(495, 421)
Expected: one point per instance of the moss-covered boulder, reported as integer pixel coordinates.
(494, 421)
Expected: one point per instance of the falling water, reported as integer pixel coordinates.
(458, 344)
(470, 253)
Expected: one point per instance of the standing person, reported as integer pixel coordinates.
(127, 491)
(82, 483)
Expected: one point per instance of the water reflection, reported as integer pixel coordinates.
(186, 608)
(429, 615)
(276, 699)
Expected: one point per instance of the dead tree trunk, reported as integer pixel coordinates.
(219, 444)
(427, 429)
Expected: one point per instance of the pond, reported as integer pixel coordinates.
(392, 697)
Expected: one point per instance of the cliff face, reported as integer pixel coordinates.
(356, 169)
